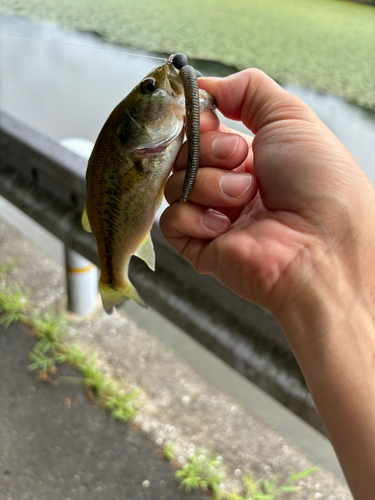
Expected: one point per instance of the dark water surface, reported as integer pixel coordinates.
(69, 91)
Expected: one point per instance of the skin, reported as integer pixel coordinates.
(295, 233)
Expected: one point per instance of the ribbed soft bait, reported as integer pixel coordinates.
(189, 80)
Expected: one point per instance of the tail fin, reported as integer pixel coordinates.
(115, 297)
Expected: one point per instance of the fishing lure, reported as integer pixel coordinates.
(189, 80)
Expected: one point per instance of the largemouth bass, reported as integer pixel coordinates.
(126, 174)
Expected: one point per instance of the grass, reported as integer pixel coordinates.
(201, 471)
(269, 489)
(205, 471)
(322, 44)
(52, 349)
(12, 303)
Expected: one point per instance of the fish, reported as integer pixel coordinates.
(130, 163)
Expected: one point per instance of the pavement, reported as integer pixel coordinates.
(51, 450)
(55, 444)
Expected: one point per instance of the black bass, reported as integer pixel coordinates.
(126, 174)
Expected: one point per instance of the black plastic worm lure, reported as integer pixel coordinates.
(189, 80)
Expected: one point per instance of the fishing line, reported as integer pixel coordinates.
(83, 46)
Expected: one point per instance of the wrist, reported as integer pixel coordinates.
(327, 290)
(330, 325)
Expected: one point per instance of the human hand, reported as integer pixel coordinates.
(299, 241)
(311, 208)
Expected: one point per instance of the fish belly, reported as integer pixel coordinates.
(121, 214)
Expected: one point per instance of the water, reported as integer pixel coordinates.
(69, 91)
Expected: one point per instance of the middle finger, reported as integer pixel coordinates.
(214, 187)
(217, 149)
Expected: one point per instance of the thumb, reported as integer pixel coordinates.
(255, 99)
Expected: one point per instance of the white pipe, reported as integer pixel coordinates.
(82, 281)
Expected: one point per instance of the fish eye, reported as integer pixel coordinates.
(148, 86)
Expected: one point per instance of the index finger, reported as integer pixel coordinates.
(209, 121)
(216, 150)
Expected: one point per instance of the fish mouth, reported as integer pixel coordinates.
(174, 80)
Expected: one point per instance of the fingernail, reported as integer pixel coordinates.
(224, 146)
(235, 184)
(215, 220)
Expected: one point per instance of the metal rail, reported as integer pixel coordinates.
(47, 182)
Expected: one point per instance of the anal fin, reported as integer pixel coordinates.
(146, 252)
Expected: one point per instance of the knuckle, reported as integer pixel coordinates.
(255, 74)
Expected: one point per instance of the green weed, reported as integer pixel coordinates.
(168, 451)
(44, 359)
(73, 355)
(108, 393)
(268, 489)
(202, 472)
(49, 325)
(120, 402)
(52, 349)
(206, 473)
(13, 304)
(41, 355)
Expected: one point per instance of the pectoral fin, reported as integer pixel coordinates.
(146, 252)
(85, 221)
(159, 197)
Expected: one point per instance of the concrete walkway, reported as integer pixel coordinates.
(178, 405)
(56, 444)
